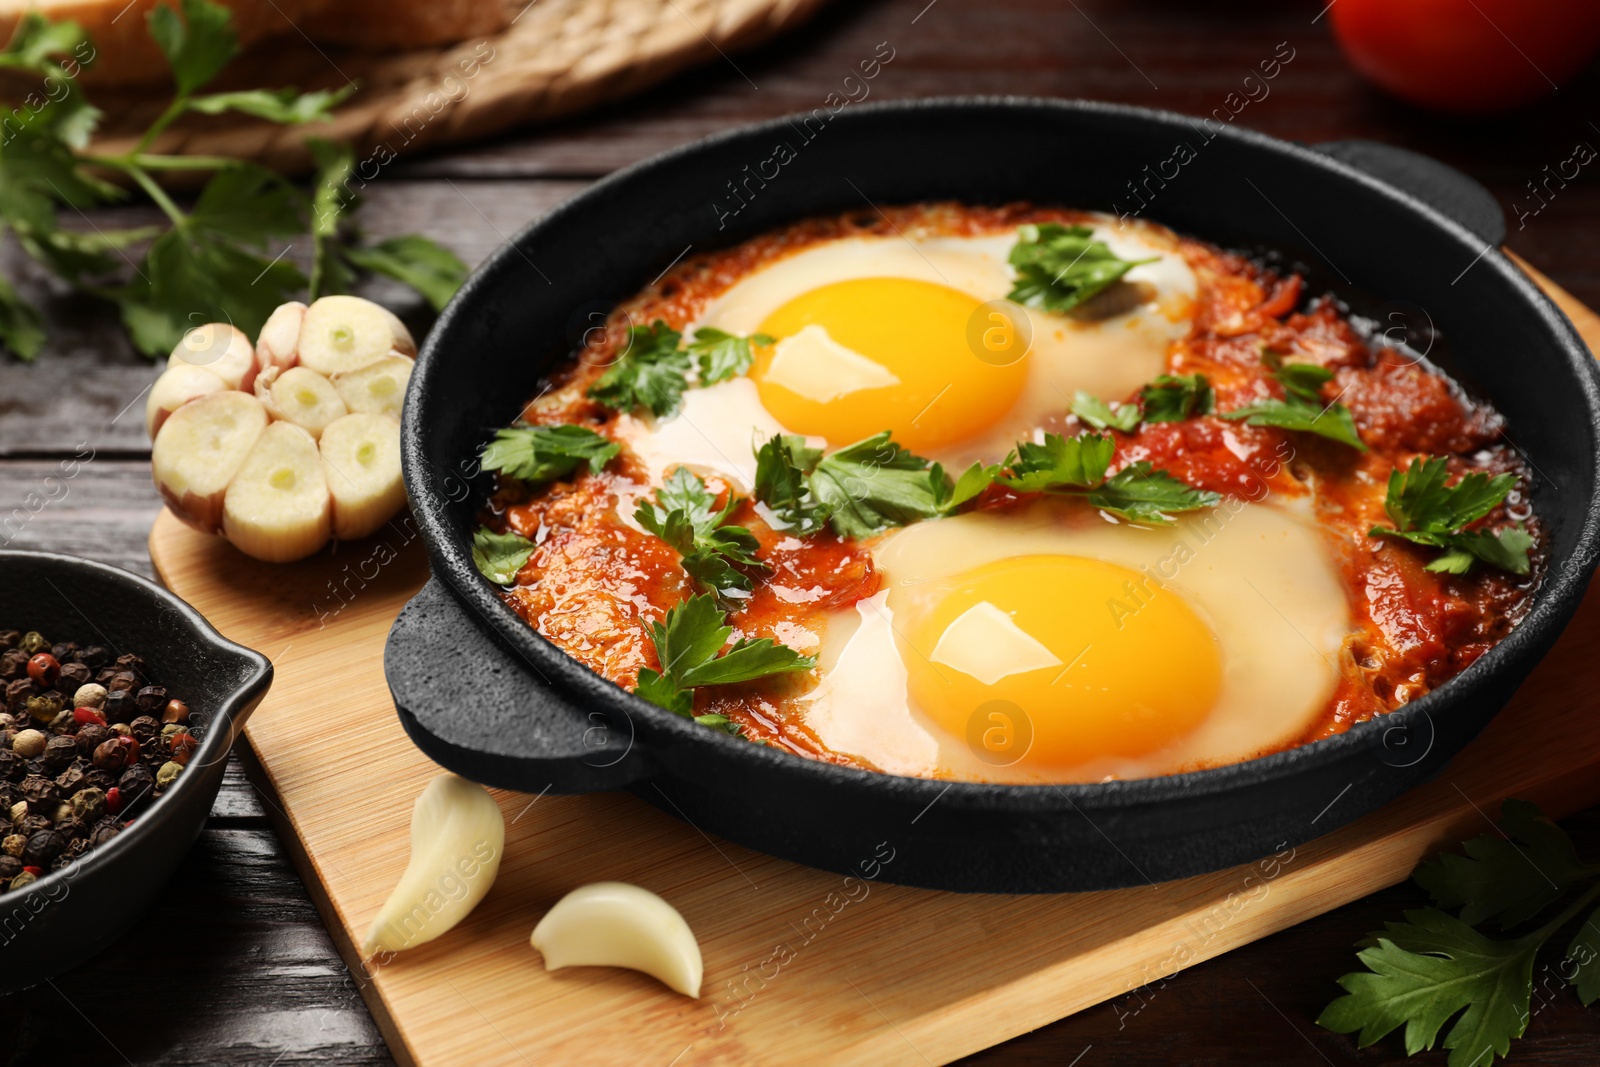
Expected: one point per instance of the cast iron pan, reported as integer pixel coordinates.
(71, 914)
(484, 695)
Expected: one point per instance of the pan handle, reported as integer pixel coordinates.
(477, 708)
(1441, 187)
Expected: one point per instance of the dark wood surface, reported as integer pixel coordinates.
(233, 966)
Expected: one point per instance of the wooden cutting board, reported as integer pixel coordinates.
(799, 970)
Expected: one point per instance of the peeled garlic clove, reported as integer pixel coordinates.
(339, 334)
(199, 449)
(379, 387)
(278, 344)
(176, 387)
(302, 397)
(361, 452)
(457, 837)
(277, 506)
(222, 349)
(614, 924)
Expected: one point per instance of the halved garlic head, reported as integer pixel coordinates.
(339, 334)
(614, 924)
(221, 349)
(302, 397)
(457, 837)
(277, 506)
(379, 387)
(362, 454)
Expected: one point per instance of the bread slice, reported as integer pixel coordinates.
(123, 51)
(395, 25)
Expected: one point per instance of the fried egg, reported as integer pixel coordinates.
(913, 335)
(1054, 645)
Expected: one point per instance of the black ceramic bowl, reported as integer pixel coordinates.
(69, 915)
(546, 722)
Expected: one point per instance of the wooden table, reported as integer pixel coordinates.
(233, 965)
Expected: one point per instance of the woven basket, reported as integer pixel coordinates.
(556, 57)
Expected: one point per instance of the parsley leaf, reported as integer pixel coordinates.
(535, 454)
(1059, 267)
(652, 372)
(874, 484)
(198, 45)
(1428, 512)
(1176, 397)
(782, 466)
(685, 515)
(1303, 408)
(499, 556)
(414, 260)
(1077, 466)
(687, 644)
(1102, 416)
(288, 106)
(723, 355)
(974, 480)
(1509, 877)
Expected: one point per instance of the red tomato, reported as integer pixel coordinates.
(1468, 56)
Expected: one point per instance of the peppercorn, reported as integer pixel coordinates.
(85, 716)
(12, 844)
(65, 651)
(116, 753)
(123, 682)
(19, 811)
(32, 824)
(74, 676)
(44, 669)
(113, 801)
(14, 665)
(182, 747)
(60, 751)
(144, 729)
(41, 794)
(119, 706)
(26, 878)
(120, 729)
(135, 784)
(104, 830)
(63, 724)
(89, 695)
(29, 743)
(98, 779)
(168, 774)
(175, 711)
(9, 639)
(151, 699)
(33, 643)
(17, 694)
(94, 657)
(10, 867)
(90, 736)
(41, 848)
(10, 764)
(73, 778)
(88, 805)
(45, 706)
(131, 661)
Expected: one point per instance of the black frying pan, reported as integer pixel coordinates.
(483, 694)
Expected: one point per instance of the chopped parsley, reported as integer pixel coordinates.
(783, 465)
(1077, 466)
(687, 644)
(653, 372)
(535, 454)
(1436, 966)
(499, 556)
(721, 355)
(1103, 416)
(1302, 407)
(860, 490)
(685, 515)
(1176, 397)
(1428, 512)
(1059, 267)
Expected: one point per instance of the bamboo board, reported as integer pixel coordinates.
(799, 968)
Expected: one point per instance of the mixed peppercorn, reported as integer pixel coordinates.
(87, 741)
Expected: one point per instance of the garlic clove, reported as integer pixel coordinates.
(378, 387)
(339, 334)
(361, 452)
(278, 344)
(176, 387)
(302, 397)
(199, 449)
(457, 838)
(614, 924)
(222, 349)
(277, 506)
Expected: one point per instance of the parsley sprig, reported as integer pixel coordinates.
(685, 515)
(536, 454)
(1302, 408)
(499, 556)
(1059, 267)
(1434, 966)
(1076, 466)
(1169, 398)
(653, 371)
(212, 262)
(861, 490)
(687, 644)
(1427, 511)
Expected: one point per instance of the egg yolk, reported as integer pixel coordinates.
(1052, 661)
(858, 357)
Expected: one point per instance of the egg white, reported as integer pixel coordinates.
(1259, 576)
